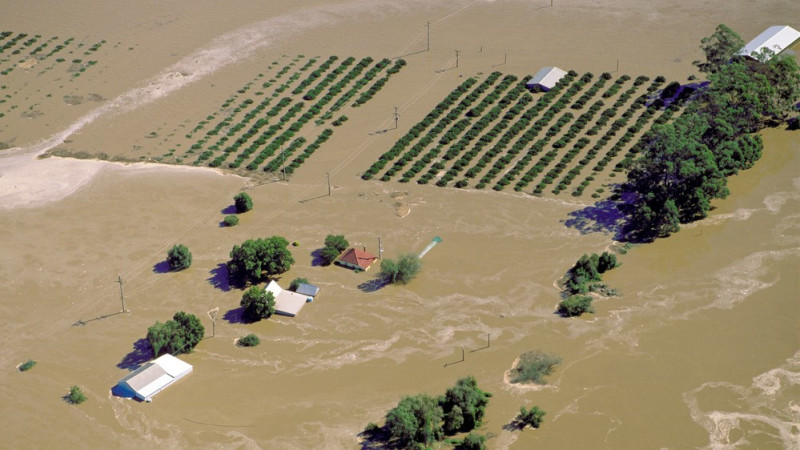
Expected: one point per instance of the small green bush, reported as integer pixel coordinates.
(533, 366)
(296, 283)
(230, 220)
(251, 340)
(27, 365)
(76, 395)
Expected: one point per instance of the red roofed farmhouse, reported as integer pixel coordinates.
(356, 259)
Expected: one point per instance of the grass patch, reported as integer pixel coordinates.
(533, 366)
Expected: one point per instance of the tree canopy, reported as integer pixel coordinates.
(533, 366)
(719, 48)
(257, 259)
(179, 257)
(532, 417)
(258, 304)
(575, 305)
(334, 246)
(176, 336)
(401, 271)
(464, 405)
(242, 202)
(416, 419)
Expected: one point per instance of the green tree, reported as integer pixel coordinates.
(582, 274)
(190, 327)
(337, 241)
(416, 419)
(719, 48)
(575, 305)
(230, 220)
(179, 257)
(76, 395)
(158, 336)
(329, 255)
(176, 336)
(257, 259)
(242, 202)
(473, 441)
(296, 283)
(464, 405)
(532, 417)
(258, 304)
(401, 271)
(251, 340)
(606, 261)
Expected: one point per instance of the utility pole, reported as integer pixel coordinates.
(121, 294)
(327, 174)
(429, 36)
(617, 65)
(380, 249)
(505, 58)
(456, 59)
(396, 117)
(283, 162)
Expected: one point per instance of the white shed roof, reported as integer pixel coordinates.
(287, 303)
(776, 38)
(156, 375)
(547, 77)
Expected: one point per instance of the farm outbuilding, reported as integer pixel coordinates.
(356, 259)
(153, 377)
(308, 290)
(776, 38)
(546, 78)
(287, 303)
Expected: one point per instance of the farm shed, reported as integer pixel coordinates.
(545, 79)
(153, 377)
(776, 38)
(287, 303)
(309, 290)
(356, 259)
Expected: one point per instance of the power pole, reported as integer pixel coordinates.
(327, 174)
(121, 294)
(456, 59)
(283, 162)
(380, 248)
(617, 65)
(396, 117)
(429, 36)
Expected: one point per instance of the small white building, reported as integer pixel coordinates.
(287, 303)
(776, 38)
(546, 78)
(150, 379)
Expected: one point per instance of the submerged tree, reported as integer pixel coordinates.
(464, 405)
(401, 271)
(719, 48)
(258, 304)
(416, 420)
(179, 257)
(176, 336)
(257, 259)
(242, 202)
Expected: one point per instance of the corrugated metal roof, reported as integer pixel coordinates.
(154, 376)
(776, 38)
(307, 289)
(546, 77)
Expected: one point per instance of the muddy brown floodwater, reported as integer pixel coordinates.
(702, 349)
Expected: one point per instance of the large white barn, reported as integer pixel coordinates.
(776, 38)
(287, 303)
(153, 377)
(546, 78)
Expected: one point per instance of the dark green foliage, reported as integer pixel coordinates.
(243, 202)
(257, 259)
(532, 417)
(575, 305)
(296, 282)
(27, 365)
(581, 275)
(179, 258)
(257, 303)
(176, 336)
(328, 255)
(607, 261)
(251, 340)
(401, 271)
(416, 419)
(473, 441)
(76, 395)
(533, 366)
(230, 220)
(464, 405)
(719, 48)
(337, 241)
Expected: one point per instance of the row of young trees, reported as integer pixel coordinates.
(684, 164)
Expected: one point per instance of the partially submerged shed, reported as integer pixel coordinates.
(775, 38)
(287, 303)
(545, 79)
(308, 290)
(153, 377)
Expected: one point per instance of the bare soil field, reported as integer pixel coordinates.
(700, 350)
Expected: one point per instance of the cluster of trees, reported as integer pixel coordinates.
(684, 164)
(533, 416)
(257, 259)
(176, 336)
(335, 244)
(179, 257)
(582, 278)
(422, 419)
(258, 304)
(401, 271)
(251, 340)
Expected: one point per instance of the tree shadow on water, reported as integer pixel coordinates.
(316, 258)
(230, 209)
(161, 267)
(219, 277)
(141, 353)
(605, 216)
(377, 438)
(235, 315)
(372, 285)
